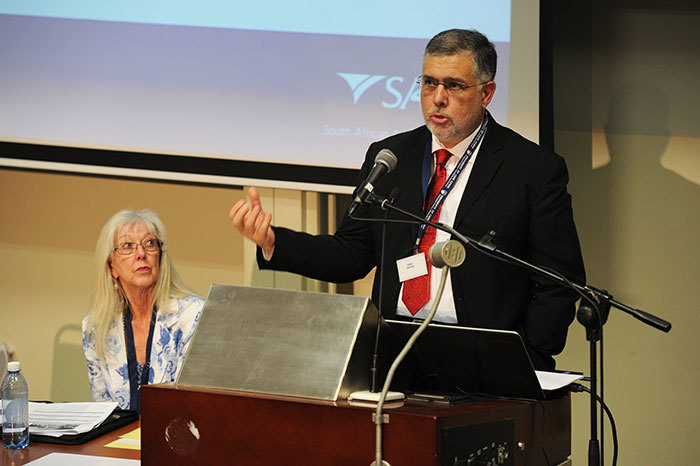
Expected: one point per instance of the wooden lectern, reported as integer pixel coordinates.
(266, 379)
(185, 425)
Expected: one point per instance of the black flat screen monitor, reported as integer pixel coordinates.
(468, 360)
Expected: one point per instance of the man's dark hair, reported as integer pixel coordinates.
(454, 41)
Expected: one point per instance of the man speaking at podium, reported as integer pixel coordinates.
(465, 170)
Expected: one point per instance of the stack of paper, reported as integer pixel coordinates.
(56, 419)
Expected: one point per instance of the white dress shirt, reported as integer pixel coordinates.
(446, 312)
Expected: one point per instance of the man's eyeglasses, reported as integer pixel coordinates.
(150, 245)
(452, 86)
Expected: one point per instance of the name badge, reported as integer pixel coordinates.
(412, 266)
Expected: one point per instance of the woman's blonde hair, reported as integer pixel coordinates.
(108, 298)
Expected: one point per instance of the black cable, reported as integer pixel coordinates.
(576, 387)
(602, 397)
(375, 356)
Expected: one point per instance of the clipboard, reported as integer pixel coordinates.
(118, 418)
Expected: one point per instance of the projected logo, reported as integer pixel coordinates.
(400, 93)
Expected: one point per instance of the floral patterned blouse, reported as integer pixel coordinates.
(109, 378)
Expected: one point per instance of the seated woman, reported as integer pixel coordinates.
(143, 315)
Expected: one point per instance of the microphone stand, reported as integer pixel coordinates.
(375, 356)
(372, 394)
(593, 319)
(592, 313)
(487, 246)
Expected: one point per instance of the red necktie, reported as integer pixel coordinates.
(416, 291)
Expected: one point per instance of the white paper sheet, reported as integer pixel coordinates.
(69, 459)
(555, 380)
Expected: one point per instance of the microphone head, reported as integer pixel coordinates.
(448, 253)
(386, 158)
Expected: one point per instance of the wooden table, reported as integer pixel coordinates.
(95, 447)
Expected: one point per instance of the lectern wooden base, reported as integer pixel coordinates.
(183, 425)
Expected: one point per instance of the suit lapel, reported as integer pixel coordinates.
(414, 184)
(488, 160)
(421, 163)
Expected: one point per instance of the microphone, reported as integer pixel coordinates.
(384, 162)
(447, 254)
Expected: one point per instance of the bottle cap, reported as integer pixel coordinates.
(13, 366)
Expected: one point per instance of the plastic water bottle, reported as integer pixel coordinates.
(15, 408)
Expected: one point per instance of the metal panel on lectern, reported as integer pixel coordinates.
(311, 345)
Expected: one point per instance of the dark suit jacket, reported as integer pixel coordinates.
(516, 189)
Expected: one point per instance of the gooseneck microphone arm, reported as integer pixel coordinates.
(443, 256)
(378, 415)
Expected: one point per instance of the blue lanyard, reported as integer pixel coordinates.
(131, 361)
(451, 180)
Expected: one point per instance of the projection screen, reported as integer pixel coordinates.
(276, 94)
